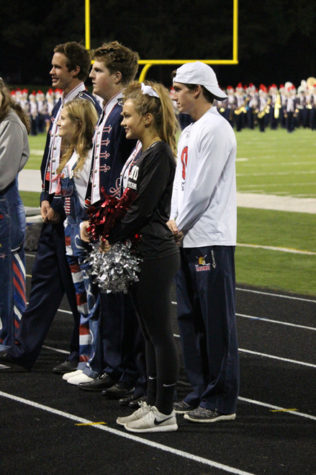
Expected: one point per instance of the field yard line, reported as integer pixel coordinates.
(30, 180)
(276, 248)
(125, 435)
(275, 202)
(292, 173)
(262, 319)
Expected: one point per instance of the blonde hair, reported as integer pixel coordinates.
(161, 108)
(8, 103)
(83, 114)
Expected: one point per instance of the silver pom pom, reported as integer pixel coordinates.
(116, 270)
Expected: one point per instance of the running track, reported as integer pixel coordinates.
(48, 426)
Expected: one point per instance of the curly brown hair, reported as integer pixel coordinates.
(118, 57)
(76, 55)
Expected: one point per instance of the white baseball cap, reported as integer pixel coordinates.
(202, 74)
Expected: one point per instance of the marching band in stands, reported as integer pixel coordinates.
(246, 106)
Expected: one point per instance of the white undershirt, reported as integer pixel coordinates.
(82, 178)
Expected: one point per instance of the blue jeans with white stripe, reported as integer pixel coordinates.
(12, 262)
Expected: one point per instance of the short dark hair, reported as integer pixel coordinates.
(207, 94)
(118, 57)
(76, 55)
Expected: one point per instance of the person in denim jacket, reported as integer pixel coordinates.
(76, 128)
(14, 153)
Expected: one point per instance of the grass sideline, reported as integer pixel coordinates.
(273, 162)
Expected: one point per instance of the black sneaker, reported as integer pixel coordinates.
(182, 407)
(65, 367)
(201, 414)
(118, 391)
(7, 358)
(132, 400)
(98, 384)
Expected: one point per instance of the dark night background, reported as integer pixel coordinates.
(276, 37)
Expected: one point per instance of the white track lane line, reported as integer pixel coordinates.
(277, 408)
(278, 358)
(57, 350)
(262, 319)
(270, 294)
(252, 317)
(125, 435)
(241, 350)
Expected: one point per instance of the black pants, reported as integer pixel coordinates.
(152, 300)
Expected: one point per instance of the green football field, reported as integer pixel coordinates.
(276, 249)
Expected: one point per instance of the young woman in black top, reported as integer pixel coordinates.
(148, 116)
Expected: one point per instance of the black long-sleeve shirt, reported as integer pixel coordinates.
(151, 176)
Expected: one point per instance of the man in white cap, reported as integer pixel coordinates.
(203, 216)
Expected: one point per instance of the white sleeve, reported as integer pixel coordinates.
(176, 187)
(203, 175)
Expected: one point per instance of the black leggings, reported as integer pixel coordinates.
(152, 299)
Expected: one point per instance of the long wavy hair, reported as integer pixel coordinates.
(161, 108)
(8, 103)
(84, 116)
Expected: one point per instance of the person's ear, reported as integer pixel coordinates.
(76, 71)
(117, 77)
(148, 118)
(197, 91)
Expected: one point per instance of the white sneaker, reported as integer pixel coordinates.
(79, 378)
(69, 375)
(139, 413)
(153, 421)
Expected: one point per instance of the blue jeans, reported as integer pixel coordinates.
(12, 263)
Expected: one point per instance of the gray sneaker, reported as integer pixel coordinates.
(181, 407)
(154, 421)
(138, 414)
(201, 414)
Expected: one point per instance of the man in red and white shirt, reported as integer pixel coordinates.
(203, 215)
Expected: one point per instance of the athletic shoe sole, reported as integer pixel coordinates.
(184, 411)
(221, 417)
(166, 428)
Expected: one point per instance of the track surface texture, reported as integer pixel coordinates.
(48, 426)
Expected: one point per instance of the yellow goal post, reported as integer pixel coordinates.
(147, 63)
